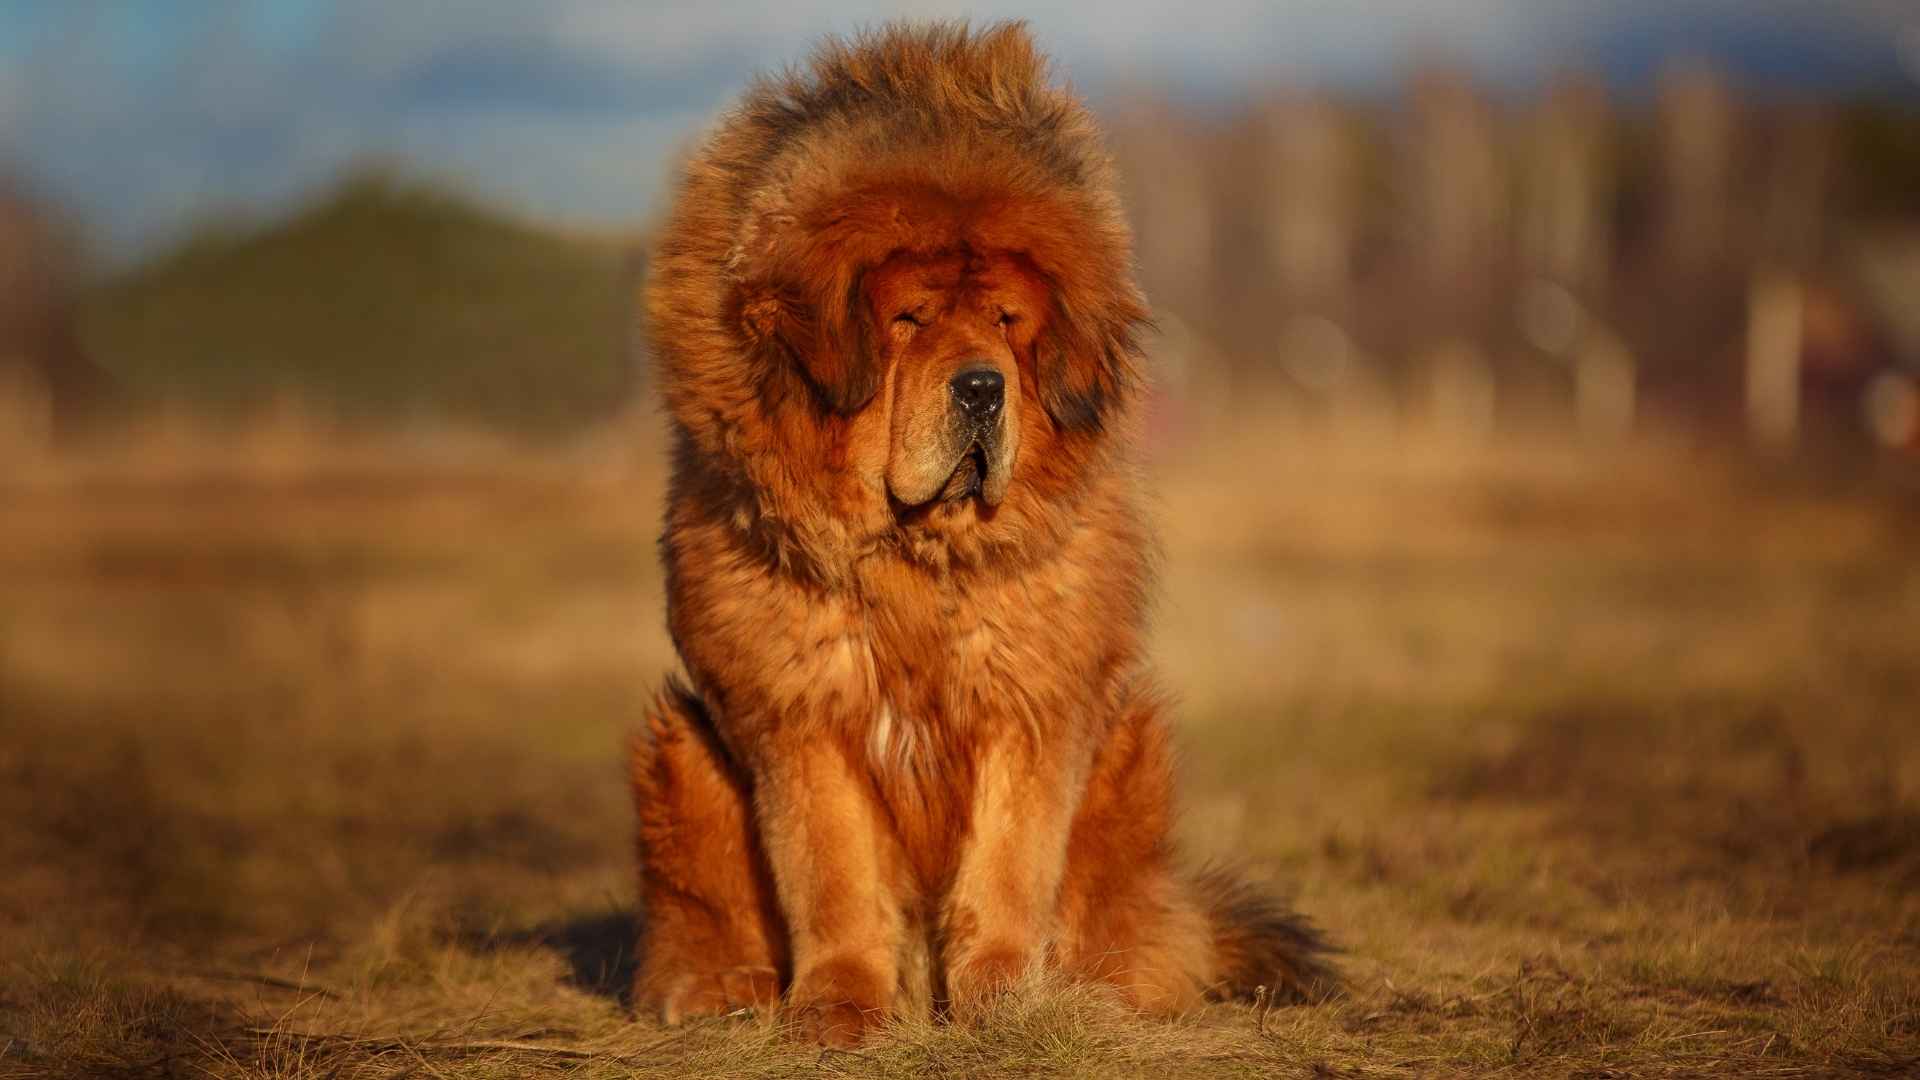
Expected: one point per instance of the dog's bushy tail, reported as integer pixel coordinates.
(1258, 941)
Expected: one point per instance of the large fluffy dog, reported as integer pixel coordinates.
(896, 325)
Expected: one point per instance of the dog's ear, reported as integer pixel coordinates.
(1086, 363)
(825, 334)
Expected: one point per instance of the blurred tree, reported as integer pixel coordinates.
(49, 387)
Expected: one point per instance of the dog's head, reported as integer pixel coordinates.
(951, 328)
(896, 288)
(979, 326)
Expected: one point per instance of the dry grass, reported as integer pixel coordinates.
(1597, 764)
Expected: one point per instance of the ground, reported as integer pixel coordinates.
(1595, 763)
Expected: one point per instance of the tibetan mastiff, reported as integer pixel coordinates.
(916, 753)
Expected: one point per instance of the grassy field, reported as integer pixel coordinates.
(1596, 765)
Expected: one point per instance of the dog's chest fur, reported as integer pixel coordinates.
(957, 665)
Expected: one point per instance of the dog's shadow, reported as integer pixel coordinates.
(598, 949)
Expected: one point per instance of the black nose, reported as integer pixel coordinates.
(979, 392)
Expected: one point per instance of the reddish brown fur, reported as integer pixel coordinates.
(920, 754)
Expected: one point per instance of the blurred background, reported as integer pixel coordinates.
(1482, 216)
(1535, 434)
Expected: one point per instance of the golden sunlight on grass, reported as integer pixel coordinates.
(1595, 764)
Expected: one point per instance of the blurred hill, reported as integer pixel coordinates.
(386, 300)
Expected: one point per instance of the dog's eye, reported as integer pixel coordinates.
(907, 318)
(1007, 318)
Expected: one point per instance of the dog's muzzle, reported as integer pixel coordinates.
(979, 398)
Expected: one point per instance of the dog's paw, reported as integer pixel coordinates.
(841, 1024)
(977, 980)
(838, 1004)
(719, 993)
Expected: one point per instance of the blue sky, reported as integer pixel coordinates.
(144, 115)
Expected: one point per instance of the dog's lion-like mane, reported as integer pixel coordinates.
(905, 138)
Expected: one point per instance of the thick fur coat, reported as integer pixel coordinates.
(917, 753)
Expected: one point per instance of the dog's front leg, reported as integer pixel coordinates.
(825, 843)
(1001, 911)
